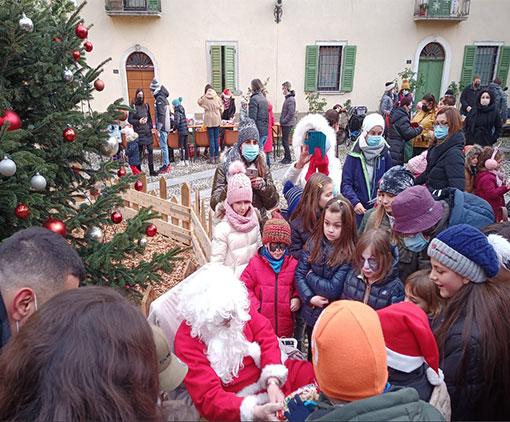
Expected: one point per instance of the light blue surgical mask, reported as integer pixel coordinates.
(374, 140)
(416, 243)
(440, 132)
(250, 152)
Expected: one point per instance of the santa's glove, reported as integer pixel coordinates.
(298, 411)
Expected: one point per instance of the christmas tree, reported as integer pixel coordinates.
(55, 165)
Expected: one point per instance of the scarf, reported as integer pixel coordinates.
(241, 223)
(276, 264)
(226, 103)
(370, 154)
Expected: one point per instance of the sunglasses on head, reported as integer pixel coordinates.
(274, 246)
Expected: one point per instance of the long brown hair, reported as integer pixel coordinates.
(486, 154)
(343, 248)
(380, 242)
(87, 354)
(309, 204)
(453, 118)
(484, 309)
(422, 286)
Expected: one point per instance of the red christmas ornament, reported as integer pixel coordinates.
(81, 31)
(116, 217)
(151, 230)
(56, 226)
(121, 172)
(69, 134)
(139, 185)
(22, 211)
(11, 117)
(88, 46)
(99, 85)
(76, 55)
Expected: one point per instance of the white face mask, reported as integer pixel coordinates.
(485, 101)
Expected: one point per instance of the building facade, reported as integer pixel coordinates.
(342, 49)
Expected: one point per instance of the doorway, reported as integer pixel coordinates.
(140, 73)
(430, 70)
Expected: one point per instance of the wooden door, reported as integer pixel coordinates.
(140, 73)
(430, 71)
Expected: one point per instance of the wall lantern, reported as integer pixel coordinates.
(278, 11)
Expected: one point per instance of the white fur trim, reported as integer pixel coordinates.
(403, 363)
(274, 370)
(501, 246)
(254, 352)
(250, 390)
(247, 407)
(433, 377)
(313, 122)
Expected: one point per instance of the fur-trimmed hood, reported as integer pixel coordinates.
(314, 122)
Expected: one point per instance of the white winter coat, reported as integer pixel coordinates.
(319, 123)
(233, 248)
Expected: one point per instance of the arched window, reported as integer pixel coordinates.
(140, 73)
(432, 51)
(139, 60)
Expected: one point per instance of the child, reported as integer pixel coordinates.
(413, 356)
(269, 278)
(318, 191)
(374, 280)
(293, 196)
(489, 182)
(471, 152)
(325, 261)
(132, 150)
(236, 236)
(421, 291)
(418, 164)
(181, 126)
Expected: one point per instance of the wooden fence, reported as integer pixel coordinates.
(181, 220)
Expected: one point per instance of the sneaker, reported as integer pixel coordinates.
(187, 162)
(286, 161)
(162, 169)
(180, 164)
(154, 173)
(166, 170)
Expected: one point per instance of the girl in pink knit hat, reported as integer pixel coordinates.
(236, 235)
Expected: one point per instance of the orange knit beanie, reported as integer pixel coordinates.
(349, 354)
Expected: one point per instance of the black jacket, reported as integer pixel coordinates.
(144, 131)
(483, 126)
(380, 295)
(416, 379)
(180, 122)
(288, 115)
(468, 98)
(399, 133)
(445, 165)
(299, 236)
(161, 106)
(228, 113)
(258, 111)
(318, 279)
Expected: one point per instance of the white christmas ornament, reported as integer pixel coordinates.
(110, 146)
(26, 24)
(68, 75)
(38, 182)
(143, 241)
(94, 233)
(7, 167)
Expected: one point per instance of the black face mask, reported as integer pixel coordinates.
(139, 100)
(477, 85)
(425, 108)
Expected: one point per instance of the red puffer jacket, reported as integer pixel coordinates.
(270, 293)
(486, 187)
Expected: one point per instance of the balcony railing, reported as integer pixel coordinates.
(441, 10)
(133, 7)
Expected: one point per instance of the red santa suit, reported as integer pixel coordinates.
(234, 401)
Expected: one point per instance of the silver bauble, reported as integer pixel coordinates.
(7, 167)
(143, 241)
(110, 146)
(26, 24)
(94, 233)
(38, 182)
(68, 75)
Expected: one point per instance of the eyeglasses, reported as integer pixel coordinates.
(274, 246)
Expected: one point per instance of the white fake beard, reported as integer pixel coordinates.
(226, 349)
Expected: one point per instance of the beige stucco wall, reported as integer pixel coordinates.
(384, 31)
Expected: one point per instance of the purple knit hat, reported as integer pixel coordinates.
(415, 210)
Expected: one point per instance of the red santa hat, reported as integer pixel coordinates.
(409, 339)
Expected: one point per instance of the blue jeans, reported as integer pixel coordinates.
(262, 142)
(163, 145)
(213, 133)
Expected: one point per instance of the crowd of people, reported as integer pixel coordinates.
(379, 293)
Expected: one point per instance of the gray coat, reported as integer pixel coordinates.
(500, 100)
(258, 111)
(288, 116)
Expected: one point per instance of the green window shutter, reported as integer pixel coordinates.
(216, 68)
(229, 62)
(311, 67)
(468, 66)
(503, 65)
(153, 5)
(348, 65)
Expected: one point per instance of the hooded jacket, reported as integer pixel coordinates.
(144, 130)
(445, 165)
(162, 107)
(213, 107)
(288, 115)
(181, 124)
(483, 123)
(486, 187)
(258, 111)
(399, 133)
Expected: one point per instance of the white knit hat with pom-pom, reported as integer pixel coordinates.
(238, 184)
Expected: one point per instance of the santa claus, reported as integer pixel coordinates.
(236, 368)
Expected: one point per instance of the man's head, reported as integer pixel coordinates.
(286, 87)
(35, 265)
(477, 81)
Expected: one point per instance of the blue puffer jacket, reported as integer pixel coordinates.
(318, 279)
(355, 183)
(380, 295)
(299, 236)
(466, 208)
